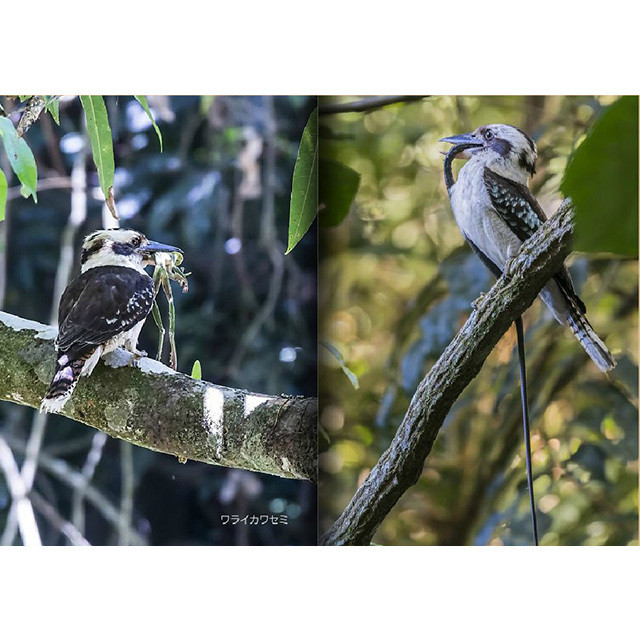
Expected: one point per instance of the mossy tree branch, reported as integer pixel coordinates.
(155, 407)
(400, 466)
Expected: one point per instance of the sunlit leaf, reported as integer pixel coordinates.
(3, 195)
(145, 105)
(24, 98)
(304, 191)
(196, 371)
(338, 187)
(20, 157)
(338, 356)
(602, 180)
(101, 143)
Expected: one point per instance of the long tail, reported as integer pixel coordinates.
(64, 382)
(574, 316)
(525, 422)
(590, 341)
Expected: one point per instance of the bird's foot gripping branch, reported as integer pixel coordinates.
(155, 407)
(401, 464)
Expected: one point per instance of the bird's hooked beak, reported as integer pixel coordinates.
(155, 247)
(465, 144)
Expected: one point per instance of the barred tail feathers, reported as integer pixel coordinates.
(568, 309)
(65, 379)
(590, 341)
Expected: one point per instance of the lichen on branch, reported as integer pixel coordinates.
(152, 406)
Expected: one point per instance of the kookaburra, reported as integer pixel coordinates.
(103, 308)
(496, 213)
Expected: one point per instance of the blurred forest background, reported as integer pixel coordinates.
(220, 190)
(396, 284)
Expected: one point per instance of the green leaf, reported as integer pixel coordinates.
(99, 132)
(52, 105)
(338, 187)
(3, 195)
(338, 356)
(143, 101)
(602, 180)
(24, 98)
(20, 157)
(304, 191)
(205, 104)
(196, 372)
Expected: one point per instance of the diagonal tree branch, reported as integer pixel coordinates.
(401, 464)
(155, 407)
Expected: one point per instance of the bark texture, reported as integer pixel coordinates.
(155, 407)
(401, 464)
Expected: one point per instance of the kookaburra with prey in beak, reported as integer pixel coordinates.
(496, 213)
(103, 308)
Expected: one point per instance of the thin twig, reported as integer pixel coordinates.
(44, 184)
(88, 470)
(267, 221)
(31, 112)
(247, 293)
(23, 509)
(127, 489)
(366, 104)
(63, 472)
(268, 239)
(57, 521)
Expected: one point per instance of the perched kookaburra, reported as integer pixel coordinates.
(103, 308)
(496, 213)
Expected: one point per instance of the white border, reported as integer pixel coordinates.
(332, 47)
(378, 592)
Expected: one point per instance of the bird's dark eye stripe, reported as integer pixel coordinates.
(122, 248)
(501, 146)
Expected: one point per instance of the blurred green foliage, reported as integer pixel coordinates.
(220, 190)
(338, 190)
(597, 179)
(396, 284)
